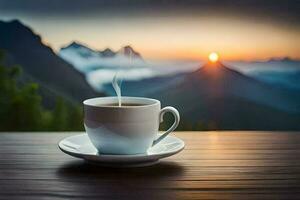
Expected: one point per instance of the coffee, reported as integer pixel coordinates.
(123, 105)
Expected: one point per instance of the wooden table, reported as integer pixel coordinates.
(214, 165)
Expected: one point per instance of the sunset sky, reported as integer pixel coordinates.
(247, 30)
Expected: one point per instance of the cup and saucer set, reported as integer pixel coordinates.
(125, 136)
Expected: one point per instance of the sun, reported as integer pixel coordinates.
(213, 57)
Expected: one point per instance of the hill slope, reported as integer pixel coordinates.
(226, 99)
(40, 64)
(217, 97)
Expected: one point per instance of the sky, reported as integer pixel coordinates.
(165, 29)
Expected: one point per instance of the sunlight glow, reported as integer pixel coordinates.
(213, 57)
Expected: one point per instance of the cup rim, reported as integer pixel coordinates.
(87, 102)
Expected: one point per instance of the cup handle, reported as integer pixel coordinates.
(161, 119)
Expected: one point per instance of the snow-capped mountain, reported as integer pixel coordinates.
(86, 59)
(99, 67)
(129, 52)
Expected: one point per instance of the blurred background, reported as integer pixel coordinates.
(226, 65)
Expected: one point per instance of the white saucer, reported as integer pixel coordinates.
(80, 146)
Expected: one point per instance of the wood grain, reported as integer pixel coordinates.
(214, 165)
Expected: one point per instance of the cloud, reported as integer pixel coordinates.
(276, 10)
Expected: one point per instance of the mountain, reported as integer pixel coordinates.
(279, 72)
(107, 53)
(129, 52)
(273, 64)
(40, 64)
(145, 86)
(289, 80)
(281, 59)
(85, 51)
(81, 49)
(86, 59)
(100, 67)
(226, 99)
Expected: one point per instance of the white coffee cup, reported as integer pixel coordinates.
(126, 129)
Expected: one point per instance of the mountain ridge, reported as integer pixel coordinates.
(26, 49)
(216, 94)
(127, 50)
(232, 100)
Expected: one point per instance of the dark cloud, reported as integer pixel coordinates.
(281, 11)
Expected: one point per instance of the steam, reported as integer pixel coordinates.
(117, 87)
(117, 84)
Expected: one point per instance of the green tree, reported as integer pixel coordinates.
(66, 117)
(75, 119)
(59, 120)
(26, 110)
(20, 107)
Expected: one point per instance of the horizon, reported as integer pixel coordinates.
(224, 64)
(201, 59)
(170, 31)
